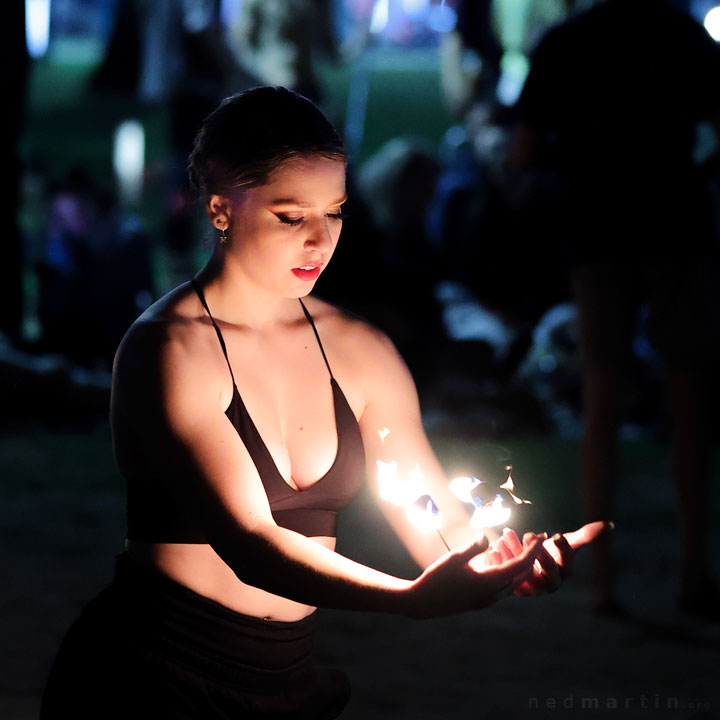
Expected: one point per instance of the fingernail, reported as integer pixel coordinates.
(543, 536)
(557, 537)
(611, 525)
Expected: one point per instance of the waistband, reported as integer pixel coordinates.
(169, 617)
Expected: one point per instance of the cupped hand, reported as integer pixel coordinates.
(457, 582)
(554, 560)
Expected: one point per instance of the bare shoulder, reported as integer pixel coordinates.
(364, 359)
(357, 340)
(171, 340)
(167, 326)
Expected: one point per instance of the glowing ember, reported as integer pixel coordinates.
(383, 433)
(390, 489)
(424, 514)
(489, 509)
(510, 487)
(463, 487)
(409, 494)
(399, 492)
(490, 514)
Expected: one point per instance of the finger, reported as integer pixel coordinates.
(519, 568)
(513, 541)
(549, 571)
(504, 550)
(528, 537)
(494, 557)
(587, 533)
(565, 552)
(477, 546)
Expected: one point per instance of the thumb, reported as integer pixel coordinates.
(587, 533)
(477, 546)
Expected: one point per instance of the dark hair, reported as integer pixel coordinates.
(253, 133)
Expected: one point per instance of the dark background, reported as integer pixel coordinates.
(494, 354)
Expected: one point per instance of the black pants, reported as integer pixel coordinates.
(149, 647)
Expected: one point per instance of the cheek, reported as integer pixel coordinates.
(335, 233)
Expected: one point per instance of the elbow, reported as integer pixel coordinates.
(251, 553)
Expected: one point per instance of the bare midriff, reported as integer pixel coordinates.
(199, 568)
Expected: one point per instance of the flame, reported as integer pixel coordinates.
(410, 494)
(490, 514)
(462, 487)
(424, 514)
(383, 433)
(390, 489)
(399, 492)
(487, 513)
(509, 485)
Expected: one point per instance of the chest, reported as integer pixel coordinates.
(285, 386)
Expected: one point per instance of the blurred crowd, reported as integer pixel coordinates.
(478, 246)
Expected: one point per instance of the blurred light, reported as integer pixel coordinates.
(230, 12)
(415, 9)
(456, 136)
(129, 159)
(380, 16)
(37, 27)
(712, 23)
(442, 18)
(547, 363)
(514, 68)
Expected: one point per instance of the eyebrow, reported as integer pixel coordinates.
(302, 203)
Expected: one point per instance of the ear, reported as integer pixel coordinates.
(219, 210)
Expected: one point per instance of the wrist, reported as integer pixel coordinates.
(412, 603)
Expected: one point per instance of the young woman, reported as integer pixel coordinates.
(244, 414)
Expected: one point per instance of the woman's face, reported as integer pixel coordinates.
(283, 234)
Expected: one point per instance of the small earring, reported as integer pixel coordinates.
(223, 236)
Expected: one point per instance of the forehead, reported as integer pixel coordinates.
(308, 180)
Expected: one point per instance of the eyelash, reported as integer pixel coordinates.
(298, 221)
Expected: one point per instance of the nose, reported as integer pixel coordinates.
(318, 237)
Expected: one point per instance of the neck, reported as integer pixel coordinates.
(235, 299)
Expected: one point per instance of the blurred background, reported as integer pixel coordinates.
(466, 123)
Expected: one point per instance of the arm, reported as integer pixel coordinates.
(164, 384)
(392, 404)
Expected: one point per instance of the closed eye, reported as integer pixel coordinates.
(287, 220)
(290, 221)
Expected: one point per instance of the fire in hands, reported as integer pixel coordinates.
(410, 494)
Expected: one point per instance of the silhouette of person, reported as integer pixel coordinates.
(95, 275)
(612, 102)
(14, 84)
(176, 55)
(281, 41)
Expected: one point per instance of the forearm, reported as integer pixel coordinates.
(288, 564)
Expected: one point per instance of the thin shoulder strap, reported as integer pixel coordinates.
(199, 292)
(312, 325)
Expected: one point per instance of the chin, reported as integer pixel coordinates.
(301, 292)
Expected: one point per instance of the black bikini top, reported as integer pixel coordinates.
(312, 511)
